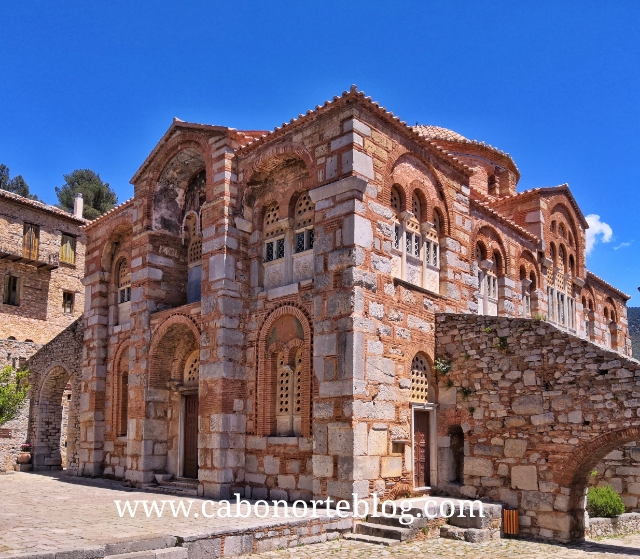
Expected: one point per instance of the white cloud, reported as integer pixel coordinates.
(598, 231)
(623, 245)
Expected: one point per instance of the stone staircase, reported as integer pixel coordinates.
(182, 487)
(391, 530)
(160, 547)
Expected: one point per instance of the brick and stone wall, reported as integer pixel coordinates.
(621, 470)
(539, 410)
(55, 373)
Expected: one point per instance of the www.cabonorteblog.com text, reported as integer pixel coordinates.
(240, 508)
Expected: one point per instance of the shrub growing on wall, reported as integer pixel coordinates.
(13, 392)
(604, 502)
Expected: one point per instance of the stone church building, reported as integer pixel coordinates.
(262, 316)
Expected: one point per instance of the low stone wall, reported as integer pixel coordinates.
(621, 470)
(617, 526)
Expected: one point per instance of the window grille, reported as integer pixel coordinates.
(279, 248)
(396, 237)
(192, 368)
(419, 379)
(124, 281)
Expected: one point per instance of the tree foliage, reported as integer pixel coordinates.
(98, 196)
(13, 392)
(17, 185)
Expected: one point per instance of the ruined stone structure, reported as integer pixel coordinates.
(261, 317)
(41, 268)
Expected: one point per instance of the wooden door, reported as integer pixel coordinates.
(421, 449)
(191, 437)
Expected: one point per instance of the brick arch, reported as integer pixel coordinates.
(166, 342)
(47, 448)
(118, 231)
(268, 160)
(441, 199)
(568, 214)
(264, 391)
(582, 461)
(491, 244)
(117, 386)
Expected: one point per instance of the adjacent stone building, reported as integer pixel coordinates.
(261, 315)
(41, 269)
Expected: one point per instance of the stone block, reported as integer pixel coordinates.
(238, 545)
(478, 467)
(377, 444)
(357, 231)
(555, 521)
(515, 448)
(528, 405)
(391, 466)
(536, 501)
(524, 477)
(203, 549)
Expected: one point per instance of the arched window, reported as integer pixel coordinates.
(492, 185)
(194, 258)
(395, 206)
(572, 265)
(273, 234)
(562, 231)
(283, 402)
(421, 390)
(304, 214)
(122, 375)
(526, 292)
(124, 281)
(417, 208)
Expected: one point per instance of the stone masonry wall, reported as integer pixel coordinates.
(14, 432)
(539, 409)
(40, 314)
(621, 470)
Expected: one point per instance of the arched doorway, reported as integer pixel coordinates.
(580, 467)
(56, 422)
(424, 433)
(172, 417)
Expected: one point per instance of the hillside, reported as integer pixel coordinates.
(633, 314)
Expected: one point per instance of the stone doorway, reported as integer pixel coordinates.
(421, 448)
(54, 445)
(190, 437)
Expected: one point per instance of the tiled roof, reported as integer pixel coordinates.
(506, 221)
(438, 133)
(117, 208)
(36, 205)
(591, 275)
(444, 134)
(564, 188)
(375, 107)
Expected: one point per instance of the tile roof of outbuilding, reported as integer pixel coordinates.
(37, 205)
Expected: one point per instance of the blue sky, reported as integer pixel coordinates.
(555, 84)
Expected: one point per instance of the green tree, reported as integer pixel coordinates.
(17, 185)
(98, 195)
(13, 392)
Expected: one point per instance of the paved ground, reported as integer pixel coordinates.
(41, 513)
(501, 549)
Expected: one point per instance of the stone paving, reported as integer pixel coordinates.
(53, 512)
(497, 549)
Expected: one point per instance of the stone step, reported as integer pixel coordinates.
(166, 553)
(132, 545)
(418, 522)
(370, 539)
(172, 489)
(471, 535)
(389, 532)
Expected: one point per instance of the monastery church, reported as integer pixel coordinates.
(346, 304)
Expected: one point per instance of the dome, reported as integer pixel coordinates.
(438, 133)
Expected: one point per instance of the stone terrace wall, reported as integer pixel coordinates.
(621, 470)
(14, 433)
(539, 409)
